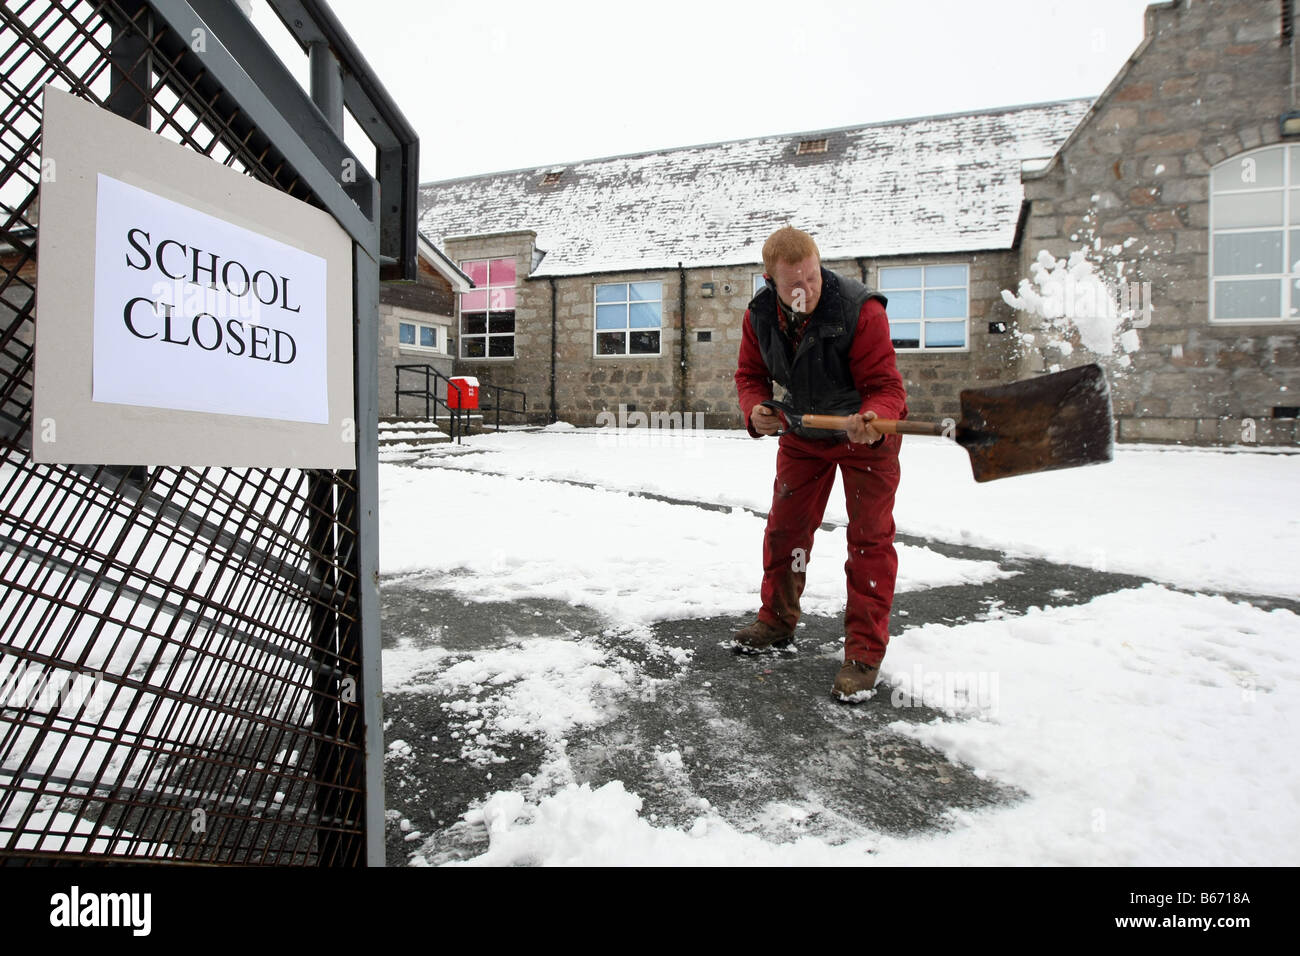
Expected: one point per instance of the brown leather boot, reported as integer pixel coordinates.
(854, 682)
(761, 636)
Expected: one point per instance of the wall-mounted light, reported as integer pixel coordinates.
(1289, 123)
(706, 290)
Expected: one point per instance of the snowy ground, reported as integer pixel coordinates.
(1067, 681)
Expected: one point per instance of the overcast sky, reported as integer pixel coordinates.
(492, 85)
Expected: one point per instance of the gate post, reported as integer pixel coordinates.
(359, 498)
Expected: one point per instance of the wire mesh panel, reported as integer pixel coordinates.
(179, 648)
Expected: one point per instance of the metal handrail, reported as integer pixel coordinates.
(522, 410)
(431, 400)
(430, 396)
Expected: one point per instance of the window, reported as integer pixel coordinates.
(1255, 236)
(487, 314)
(419, 335)
(759, 283)
(807, 146)
(928, 306)
(628, 318)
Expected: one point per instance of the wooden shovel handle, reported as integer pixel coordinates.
(886, 426)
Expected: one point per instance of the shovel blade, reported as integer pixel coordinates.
(1061, 420)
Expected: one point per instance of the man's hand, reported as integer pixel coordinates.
(765, 420)
(860, 430)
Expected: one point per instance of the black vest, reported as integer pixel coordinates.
(818, 380)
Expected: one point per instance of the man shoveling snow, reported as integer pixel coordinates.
(825, 339)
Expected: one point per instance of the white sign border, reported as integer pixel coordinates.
(80, 141)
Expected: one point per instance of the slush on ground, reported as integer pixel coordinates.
(1093, 666)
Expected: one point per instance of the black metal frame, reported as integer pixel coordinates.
(494, 391)
(455, 415)
(227, 619)
(429, 393)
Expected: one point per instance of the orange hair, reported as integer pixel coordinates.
(789, 245)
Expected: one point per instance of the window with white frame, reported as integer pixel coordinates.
(487, 313)
(422, 336)
(929, 306)
(1255, 236)
(629, 317)
(759, 283)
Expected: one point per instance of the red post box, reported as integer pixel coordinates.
(463, 393)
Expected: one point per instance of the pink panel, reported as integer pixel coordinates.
(477, 271)
(503, 272)
(475, 301)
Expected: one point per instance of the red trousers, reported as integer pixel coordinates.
(805, 472)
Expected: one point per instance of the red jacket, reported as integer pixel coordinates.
(871, 359)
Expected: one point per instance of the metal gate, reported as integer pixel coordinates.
(189, 657)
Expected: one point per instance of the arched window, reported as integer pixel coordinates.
(1255, 236)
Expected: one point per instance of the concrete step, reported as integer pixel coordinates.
(472, 424)
(412, 432)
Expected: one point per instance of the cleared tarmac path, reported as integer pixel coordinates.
(751, 732)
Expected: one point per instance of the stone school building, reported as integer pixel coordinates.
(618, 285)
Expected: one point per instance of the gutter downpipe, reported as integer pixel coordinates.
(554, 345)
(681, 311)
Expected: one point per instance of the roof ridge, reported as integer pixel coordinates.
(988, 111)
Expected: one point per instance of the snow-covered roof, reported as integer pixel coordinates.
(933, 184)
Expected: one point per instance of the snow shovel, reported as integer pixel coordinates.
(1061, 420)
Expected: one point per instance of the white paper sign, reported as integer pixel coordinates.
(197, 314)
